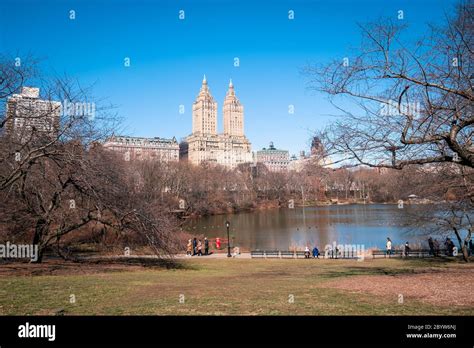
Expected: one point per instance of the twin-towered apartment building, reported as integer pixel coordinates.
(204, 144)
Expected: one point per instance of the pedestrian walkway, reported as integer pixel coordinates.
(214, 256)
(177, 256)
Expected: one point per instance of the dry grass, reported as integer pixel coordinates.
(239, 287)
(441, 288)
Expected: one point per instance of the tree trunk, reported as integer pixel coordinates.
(41, 249)
(463, 246)
(40, 227)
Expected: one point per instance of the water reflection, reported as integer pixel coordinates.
(280, 229)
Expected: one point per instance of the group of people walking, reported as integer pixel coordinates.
(194, 247)
(451, 249)
(434, 246)
(435, 249)
(407, 248)
(389, 247)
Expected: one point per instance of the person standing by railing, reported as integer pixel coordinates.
(189, 248)
(199, 248)
(432, 246)
(407, 249)
(436, 247)
(206, 246)
(194, 246)
(388, 246)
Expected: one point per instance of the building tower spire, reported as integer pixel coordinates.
(233, 113)
(231, 91)
(205, 111)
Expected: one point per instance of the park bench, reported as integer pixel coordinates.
(300, 254)
(394, 253)
(420, 253)
(331, 254)
(257, 254)
(411, 253)
(345, 254)
(272, 254)
(287, 254)
(348, 254)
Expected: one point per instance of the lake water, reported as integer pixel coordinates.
(367, 225)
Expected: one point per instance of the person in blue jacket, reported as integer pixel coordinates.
(315, 252)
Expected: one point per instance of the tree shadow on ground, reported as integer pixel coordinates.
(165, 263)
(59, 266)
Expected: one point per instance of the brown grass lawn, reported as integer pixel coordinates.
(239, 287)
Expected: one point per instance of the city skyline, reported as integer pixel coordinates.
(168, 56)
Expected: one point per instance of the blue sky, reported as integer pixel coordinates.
(169, 56)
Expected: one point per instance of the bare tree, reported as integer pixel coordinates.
(60, 182)
(413, 103)
(452, 188)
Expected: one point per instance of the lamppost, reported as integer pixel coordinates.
(227, 224)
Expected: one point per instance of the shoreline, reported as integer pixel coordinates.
(275, 207)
